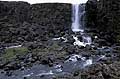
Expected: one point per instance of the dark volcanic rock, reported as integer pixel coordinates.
(56, 18)
(21, 22)
(103, 15)
(12, 12)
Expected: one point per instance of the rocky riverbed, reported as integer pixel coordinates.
(36, 42)
(58, 58)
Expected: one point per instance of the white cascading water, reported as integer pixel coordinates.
(75, 18)
(78, 25)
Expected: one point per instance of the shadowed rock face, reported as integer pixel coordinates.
(20, 21)
(53, 16)
(12, 12)
(104, 15)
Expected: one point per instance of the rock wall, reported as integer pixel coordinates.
(21, 22)
(14, 12)
(104, 15)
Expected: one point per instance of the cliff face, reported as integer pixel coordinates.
(104, 15)
(20, 21)
(55, 17)
(14, 12)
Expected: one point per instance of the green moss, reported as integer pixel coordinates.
(118, 38)
(83, 76)
(40, 50)
(11, 53)
(54, 47)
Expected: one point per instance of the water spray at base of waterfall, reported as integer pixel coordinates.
(86, 40)
(77, 42)
(78, 25)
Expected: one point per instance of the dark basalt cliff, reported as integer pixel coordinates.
(20, 21)
(104, 15)
(14, 12)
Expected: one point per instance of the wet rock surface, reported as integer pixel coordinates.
(40, 45)
(60, 60)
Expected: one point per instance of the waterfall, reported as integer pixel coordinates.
(76, 18)
(78, 14)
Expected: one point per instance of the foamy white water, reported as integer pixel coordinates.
(77, 42)
(14, 47)
(74, 58)
(78, 14)
(88, 62)
(87, 40)
(46, 73)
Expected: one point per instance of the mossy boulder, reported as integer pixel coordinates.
(11, 53)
